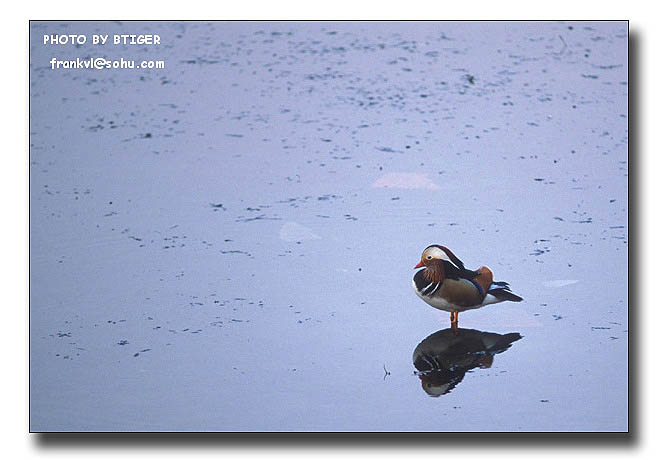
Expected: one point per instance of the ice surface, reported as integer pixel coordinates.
(228, 243)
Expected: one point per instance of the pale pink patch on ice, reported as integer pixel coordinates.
(406, 181)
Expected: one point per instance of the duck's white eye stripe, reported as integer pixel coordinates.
(438, 254)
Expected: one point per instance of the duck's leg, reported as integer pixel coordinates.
(454, 317)
(454, 322)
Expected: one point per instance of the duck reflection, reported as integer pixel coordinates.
(443, 358)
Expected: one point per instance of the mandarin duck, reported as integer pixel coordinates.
(445, 284)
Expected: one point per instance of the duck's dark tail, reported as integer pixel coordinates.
(501, 290)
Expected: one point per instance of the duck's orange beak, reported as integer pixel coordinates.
(420, 264)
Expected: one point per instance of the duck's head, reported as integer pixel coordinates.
(441, 382)
(434, 255)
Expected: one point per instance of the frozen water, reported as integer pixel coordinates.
(406, 181)
(292, 231)
(228, 243)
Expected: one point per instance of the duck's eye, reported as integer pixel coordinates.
(429, 257)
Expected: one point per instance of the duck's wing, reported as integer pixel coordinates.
(455, 272)
(502, 291)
